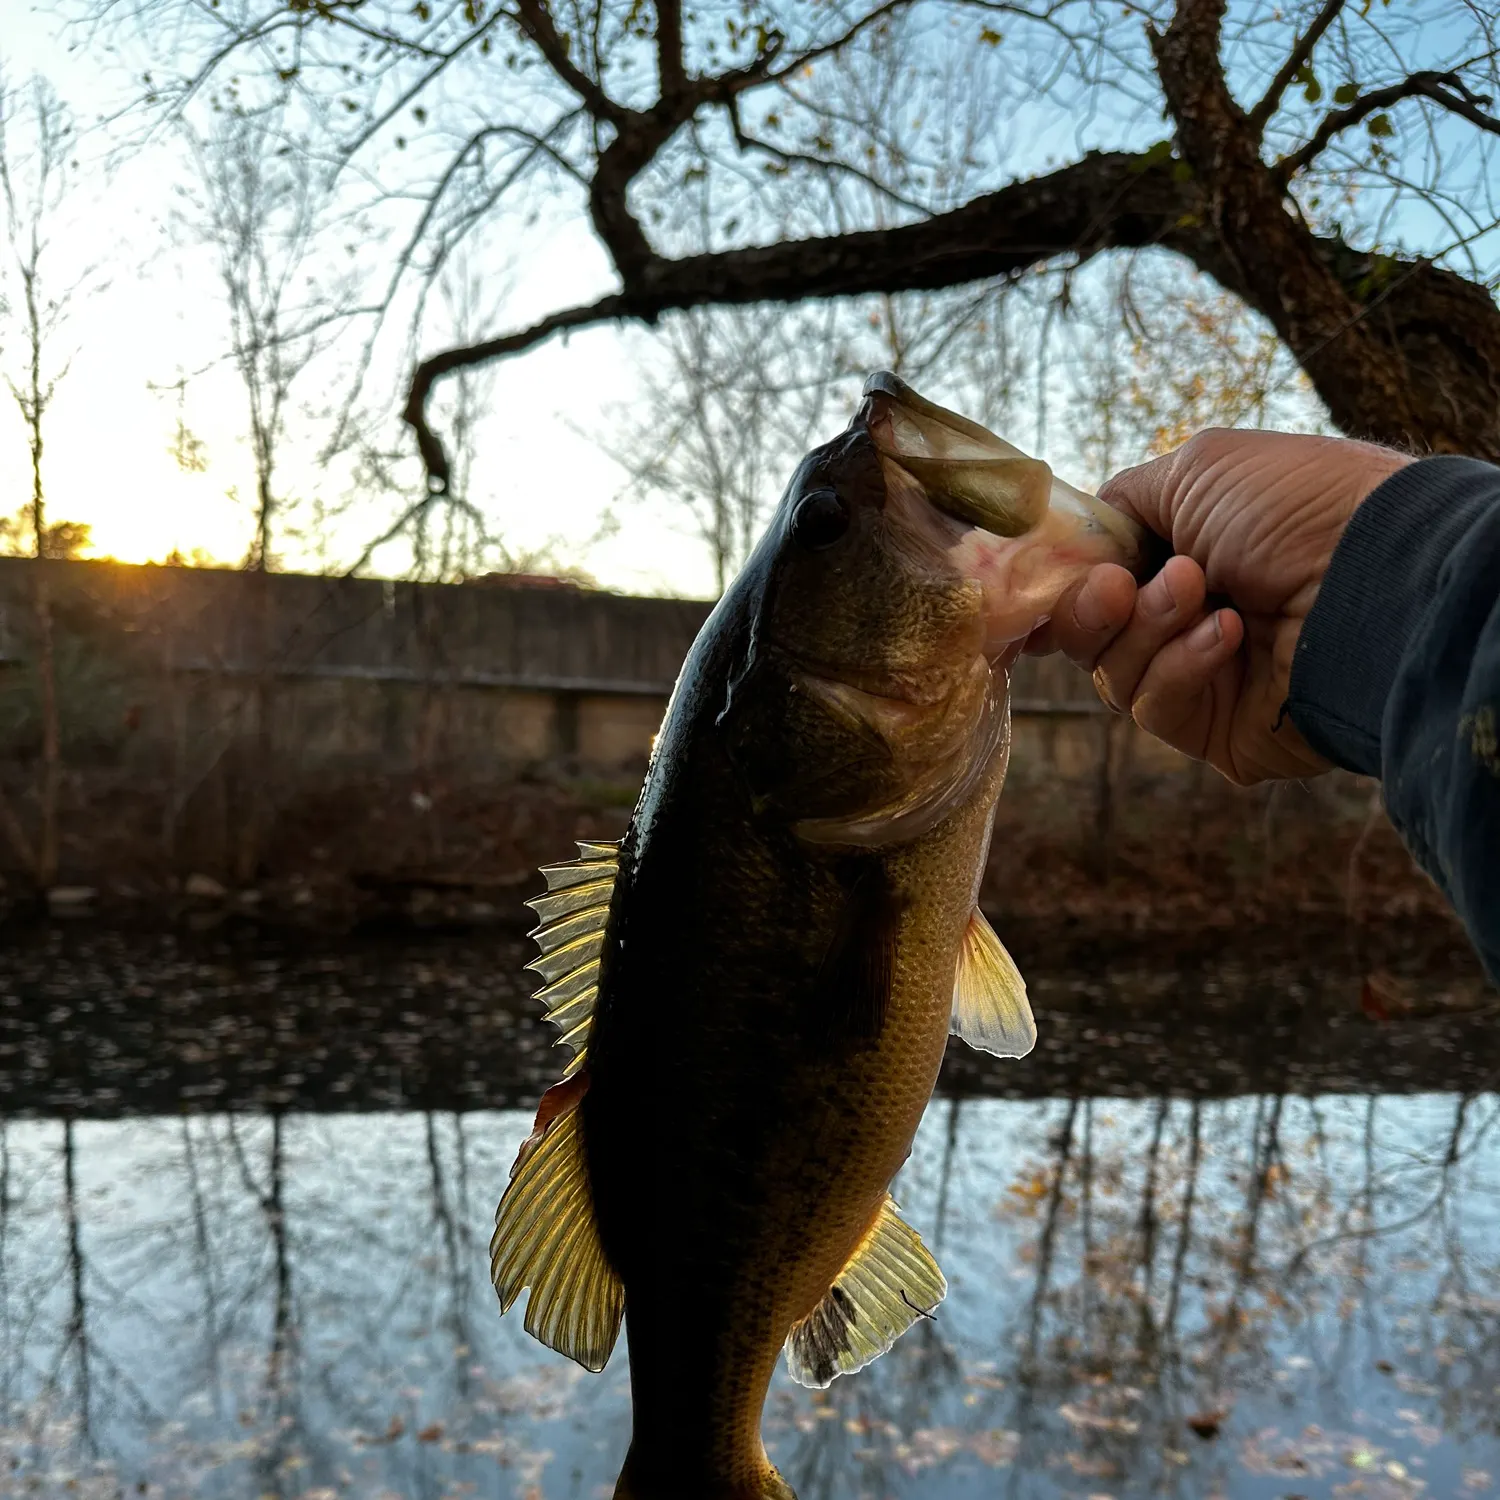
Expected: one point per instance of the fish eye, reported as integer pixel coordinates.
(820, 519)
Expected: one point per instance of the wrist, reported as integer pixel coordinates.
(1380, 581)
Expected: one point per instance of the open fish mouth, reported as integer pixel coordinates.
(975, 476)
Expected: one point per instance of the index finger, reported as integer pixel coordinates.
(1144, 493)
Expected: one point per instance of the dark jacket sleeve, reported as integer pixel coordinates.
(1397, 673)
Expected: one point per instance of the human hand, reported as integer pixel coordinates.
(1253, 517)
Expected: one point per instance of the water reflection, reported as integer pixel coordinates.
(1256, 1296)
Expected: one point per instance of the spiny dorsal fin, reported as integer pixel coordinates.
(574, 913)
(887, 1284)
(990, 1009)
(546, 1238)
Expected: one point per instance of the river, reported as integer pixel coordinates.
(1228, 1235)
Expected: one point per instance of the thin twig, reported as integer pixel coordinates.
(1293, 65)
(1446, 89)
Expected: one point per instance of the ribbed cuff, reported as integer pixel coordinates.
(1379, 585)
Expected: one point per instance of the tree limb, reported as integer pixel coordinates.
(825, 49)
(670, 73)
(1293, 65)
(378, 122)
(1446, 89)
(438, 365)
(1105, 200)
(748, 142)
(536, 21)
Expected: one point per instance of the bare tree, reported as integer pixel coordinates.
(261, 206)
(1338, 177)
(721, 414)
(36, 176)
(1331, 166)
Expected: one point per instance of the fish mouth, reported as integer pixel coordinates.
(966, 470)
(975, 476)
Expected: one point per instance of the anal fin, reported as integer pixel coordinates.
(886, 1285)
(546, 1238)
(990, 1009)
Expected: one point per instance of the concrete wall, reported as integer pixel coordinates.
(155, 663)
(354, 664)
(207, 714)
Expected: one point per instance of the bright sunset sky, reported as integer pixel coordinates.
(157, 315)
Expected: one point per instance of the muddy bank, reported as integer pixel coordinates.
(1181, 870)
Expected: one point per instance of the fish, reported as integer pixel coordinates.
(757, 983)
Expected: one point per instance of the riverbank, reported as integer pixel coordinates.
(1175, 861)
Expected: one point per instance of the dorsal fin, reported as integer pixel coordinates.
(574, 913)
(886, 1285)
(990, 1009)
(546, 1238)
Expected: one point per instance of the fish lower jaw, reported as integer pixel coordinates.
(1023, 578)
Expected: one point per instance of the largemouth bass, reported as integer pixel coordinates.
(759, 981)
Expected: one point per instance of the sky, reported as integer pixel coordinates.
(154, 313)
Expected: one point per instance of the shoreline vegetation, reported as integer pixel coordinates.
(1301, 869)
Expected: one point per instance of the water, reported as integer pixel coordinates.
(1207, 1283)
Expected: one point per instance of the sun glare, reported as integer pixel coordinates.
(108, 465)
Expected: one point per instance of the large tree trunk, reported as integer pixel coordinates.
(1440, 333)
(1401, 352)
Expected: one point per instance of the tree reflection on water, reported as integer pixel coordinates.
(1262, 1295)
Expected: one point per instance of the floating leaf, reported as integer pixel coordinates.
(1206, 1424)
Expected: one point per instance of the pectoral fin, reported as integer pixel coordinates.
(855, 978)
(990, 1009)
(886, 1285)
(546, 1238)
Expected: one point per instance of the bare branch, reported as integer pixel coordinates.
(438, 365)
(1294, 64)
(1446, 89)
(1106, 199)
(670, 72)
(748, 142)
(536, 21)
(824, 49)
(445, 60)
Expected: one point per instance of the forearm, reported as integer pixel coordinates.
(1397, 673)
